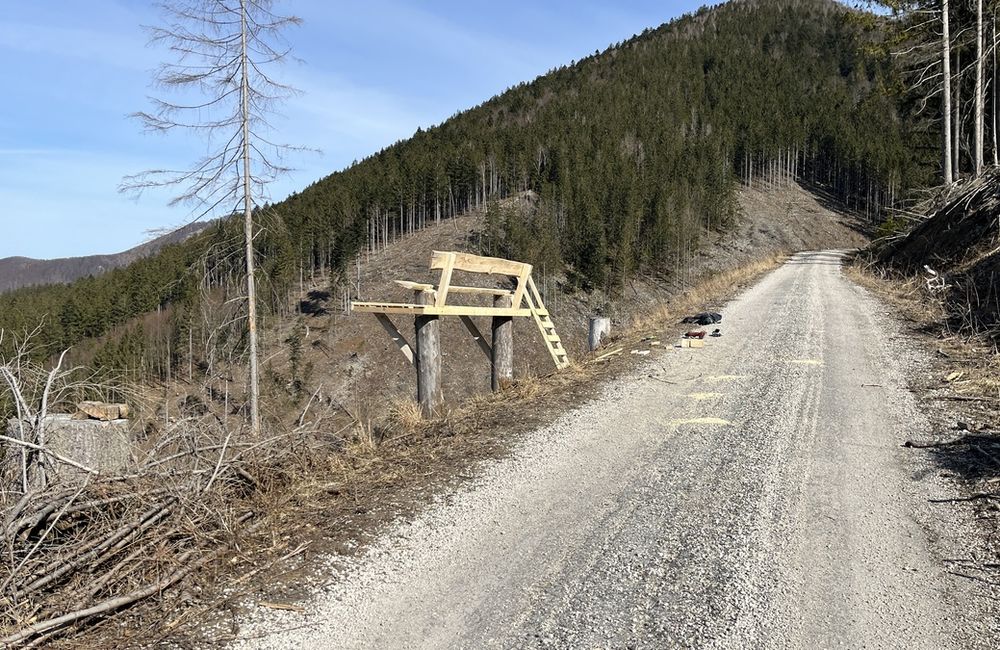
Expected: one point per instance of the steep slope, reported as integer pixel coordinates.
(17, 272)
(636, 156)
(955, 249)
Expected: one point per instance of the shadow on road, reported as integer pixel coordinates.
(974, 457)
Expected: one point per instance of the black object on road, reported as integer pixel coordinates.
(717, 333)
(705, 318)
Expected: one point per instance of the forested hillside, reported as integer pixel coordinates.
(635, 152)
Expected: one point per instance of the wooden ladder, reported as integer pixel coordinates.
(545, 325)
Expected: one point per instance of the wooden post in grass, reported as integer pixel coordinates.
(503, 345)
(428, 358)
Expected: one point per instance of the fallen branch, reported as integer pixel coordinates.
(46, 450)
(118, 539)
(971, 497)
(961, 398)
(37, 518)
(109, 605)
(607, 355)
(24, 560)
(930, 444)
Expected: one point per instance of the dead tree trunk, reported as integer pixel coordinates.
(979, 100)
(946, 95)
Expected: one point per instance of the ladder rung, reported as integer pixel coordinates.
(545, 325)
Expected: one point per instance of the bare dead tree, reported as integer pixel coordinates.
(224, 51)
(949, 173)
(979, 100)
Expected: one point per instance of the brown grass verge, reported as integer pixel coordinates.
(972, 355)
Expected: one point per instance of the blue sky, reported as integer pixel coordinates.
(372, 72)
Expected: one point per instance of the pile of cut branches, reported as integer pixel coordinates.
(77, 551)
(79, 545)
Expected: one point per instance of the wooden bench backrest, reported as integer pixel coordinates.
(447, 262)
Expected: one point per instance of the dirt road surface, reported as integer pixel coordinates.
(750, 494)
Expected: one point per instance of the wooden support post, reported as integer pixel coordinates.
(428, 360)
(503, 346)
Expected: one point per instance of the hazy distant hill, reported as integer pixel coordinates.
(17, 272)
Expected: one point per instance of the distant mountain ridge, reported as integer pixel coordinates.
(18, 272)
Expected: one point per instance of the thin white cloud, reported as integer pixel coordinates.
(118, 50)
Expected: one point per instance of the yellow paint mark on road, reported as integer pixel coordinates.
(719, 422)
(704, 396)
(807, 362)
(717, 378)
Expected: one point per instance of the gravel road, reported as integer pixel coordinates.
(750, 494)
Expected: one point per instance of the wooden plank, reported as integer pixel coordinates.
(445, 282)
(478, 264)
(396, 336)
(386, 308)
(476, 334)
(503, 346)
(431, 310)
(459, 310)
(480, 291)
(415, 286)
(477, 291)
(428, 360)
(522, 284)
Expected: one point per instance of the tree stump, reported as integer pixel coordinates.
(600, 326)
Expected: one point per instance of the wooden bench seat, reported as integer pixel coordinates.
(433, 299)
(476, 291)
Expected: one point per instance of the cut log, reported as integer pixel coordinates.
(101, 411)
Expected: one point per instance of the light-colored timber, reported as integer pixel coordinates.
(545, 326)
(431, 302)
(431, 310)
(478, 291)
(396, 336)
(477, 263)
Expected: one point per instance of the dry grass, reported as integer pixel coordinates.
(968, 365)
(908, 294)
(708, 292)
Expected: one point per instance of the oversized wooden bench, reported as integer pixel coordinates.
(433, 300)
(448, 263)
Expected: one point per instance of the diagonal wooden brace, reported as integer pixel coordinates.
(476, 334)
(396, 336)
